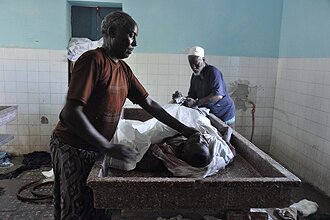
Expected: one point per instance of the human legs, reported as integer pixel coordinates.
(73, 199)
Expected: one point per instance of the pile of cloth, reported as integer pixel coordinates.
(304, 207)
(30, 161)
(5, 159)
(77, 46)
(142, 135)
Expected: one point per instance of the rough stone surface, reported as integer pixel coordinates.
(253, 179)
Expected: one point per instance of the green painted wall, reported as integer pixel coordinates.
(222, 27)
(305, 29)
(33, 24)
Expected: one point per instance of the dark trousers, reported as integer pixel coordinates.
(73, 199)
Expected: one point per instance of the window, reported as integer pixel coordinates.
(86, 23)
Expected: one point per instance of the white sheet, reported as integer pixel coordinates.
(77, 46)
(141, 135)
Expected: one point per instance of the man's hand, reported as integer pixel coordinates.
(122, 152)
(190, 102)
(178, 98)
(176, 95)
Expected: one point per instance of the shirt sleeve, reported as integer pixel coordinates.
(192, 92)
(83, 78)
(217, 82)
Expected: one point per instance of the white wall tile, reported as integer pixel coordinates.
(163, 69)
(9, 76)
(55, 99)
(10, 98)
(163, 58)
(34, 130)
(33, 76)
(152, 79)
(131, 59)
(55, 109)
(23, 130)
(1, 53)
(141, 58)
(33, 87)
(45, 98)
(36, 80)
(163, 80)
(174, 59)
(34, 140)
(43, 54)
(58, 55)
(44, 87)
(32, 65)
(23, 109)
(55, 66)
(8, 64)
(152, 58)
(23, 119)
(44, 140)
(33, 98)
(2, 76)
(9, 53)
(21, 76)
(45, 108)
(21, 65)
(152, 68)
(307, 107)
(10, 87)
(56, 88)
(33, 109)
(44, 65)
(23, 140)
(32, 54)
(44, 76)
(56, 77)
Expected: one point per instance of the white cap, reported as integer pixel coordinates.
(196, 51)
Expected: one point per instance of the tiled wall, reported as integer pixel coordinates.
(297, 135)
(163, 74)
(301, 125)
(36, 81)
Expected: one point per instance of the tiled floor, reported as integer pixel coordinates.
(11, 208)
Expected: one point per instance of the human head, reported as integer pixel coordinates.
(119, 32)
(196, 57)
(196, 151)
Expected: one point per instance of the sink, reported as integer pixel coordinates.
(7, 114)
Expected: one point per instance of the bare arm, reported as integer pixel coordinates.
(211, 98)
(73, 116)
(158, 112)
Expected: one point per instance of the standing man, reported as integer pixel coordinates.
(100, 83)
(208, 88)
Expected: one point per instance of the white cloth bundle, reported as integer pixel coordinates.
(305, 207)
(78, 46)
(141, 135)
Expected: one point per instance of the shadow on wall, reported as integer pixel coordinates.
(242, 94)
(239, 91)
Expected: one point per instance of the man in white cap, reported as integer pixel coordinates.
(208, 88)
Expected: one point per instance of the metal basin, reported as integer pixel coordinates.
(7, 114)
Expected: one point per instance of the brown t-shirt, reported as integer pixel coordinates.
(103, 86)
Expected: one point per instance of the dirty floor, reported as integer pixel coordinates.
(12, 208)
